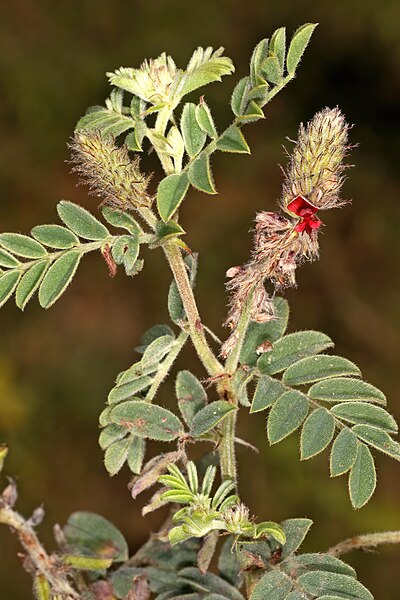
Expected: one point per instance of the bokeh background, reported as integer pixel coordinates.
(56, 367)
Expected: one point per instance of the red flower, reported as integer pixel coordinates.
(306, 211)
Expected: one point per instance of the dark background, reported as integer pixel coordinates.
(57, 367)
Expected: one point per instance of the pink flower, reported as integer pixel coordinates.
(306, 211)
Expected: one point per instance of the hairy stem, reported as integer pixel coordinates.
(240, 333)
(364, 542)
(196, 330)
(53, 572)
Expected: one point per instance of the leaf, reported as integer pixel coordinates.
(55, 236)
(209, 583)
(58, 277)
(298, 44)
(287, 414)
(41, 587)
(107, 121)
(122, 219)
(316, 368)
(152, 334)
(200, 175)
(171, 191)
(253, 113)
(3, 455)
(29, 283)
(128, 388)
(257, 333)
(271, 70)
(166, 231)
(8, 283)
(344, 452)
(362, 478)
(86, 563)
(361, 412)
(116, 455)
(136, 454)
(110, 434)
(324, 562)
(191, 395)
(291, 348)
(134, 139)
(228, 564)
(22, 245)
(239, 99)
(379, 439)
(277, 46)
(204, 67)
(7, 260)
(95, 535)
(232, 140)
(147, 420)
(209, 416)
(260, 53)
(81, 222)
(157, 350)
(267, 391)
(343, 388)
(318, 583)
(193, 135)
(274, 586)
(271, 529)
(317, 433)
(295, 531)
(205, 120)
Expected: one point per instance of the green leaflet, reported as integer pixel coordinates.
(147, 420)
(368, 414)
(316, 368)
(110, 434)
(7, 260)
(291, 348)
(30, 283)
(287, 414)
(317, 433)
(295, 531)
(81, 222)
(171, 191)
(232, 140)
(274, 586)
(58, 277)
(214, 585)
(41, 587)
(86, 563)
(200, 175)
(205, 120)
(260, 53)
(257, 333)
(157, 350)
(318, 583)
(22, 245)
(8, 283)
(267, 391)
(208, 417)
(55, 236)
(107, 121)
(116, 455)
(194, 136)
(362, 479)
(136, 454)
(298, 44)
(239, 99)
(277, 46)
(379, 439)
(166, 231)
(323, 562)
(344, 452)
(127, 389)
(204, 67)
(343, 388)
(119, 218)
(271, 70)
(191, 395)
(95, 536)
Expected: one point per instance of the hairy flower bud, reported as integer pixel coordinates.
(109, 171)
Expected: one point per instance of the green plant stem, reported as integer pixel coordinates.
(166, 365)
(42, 562)
(364, 542)
(196, 330)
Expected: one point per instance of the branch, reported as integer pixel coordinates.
(365, 542)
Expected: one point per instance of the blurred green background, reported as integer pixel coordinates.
(57, 367)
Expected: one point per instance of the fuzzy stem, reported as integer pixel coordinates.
(240, 331)
(43, 563)
(196, 330)
(364, 542)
